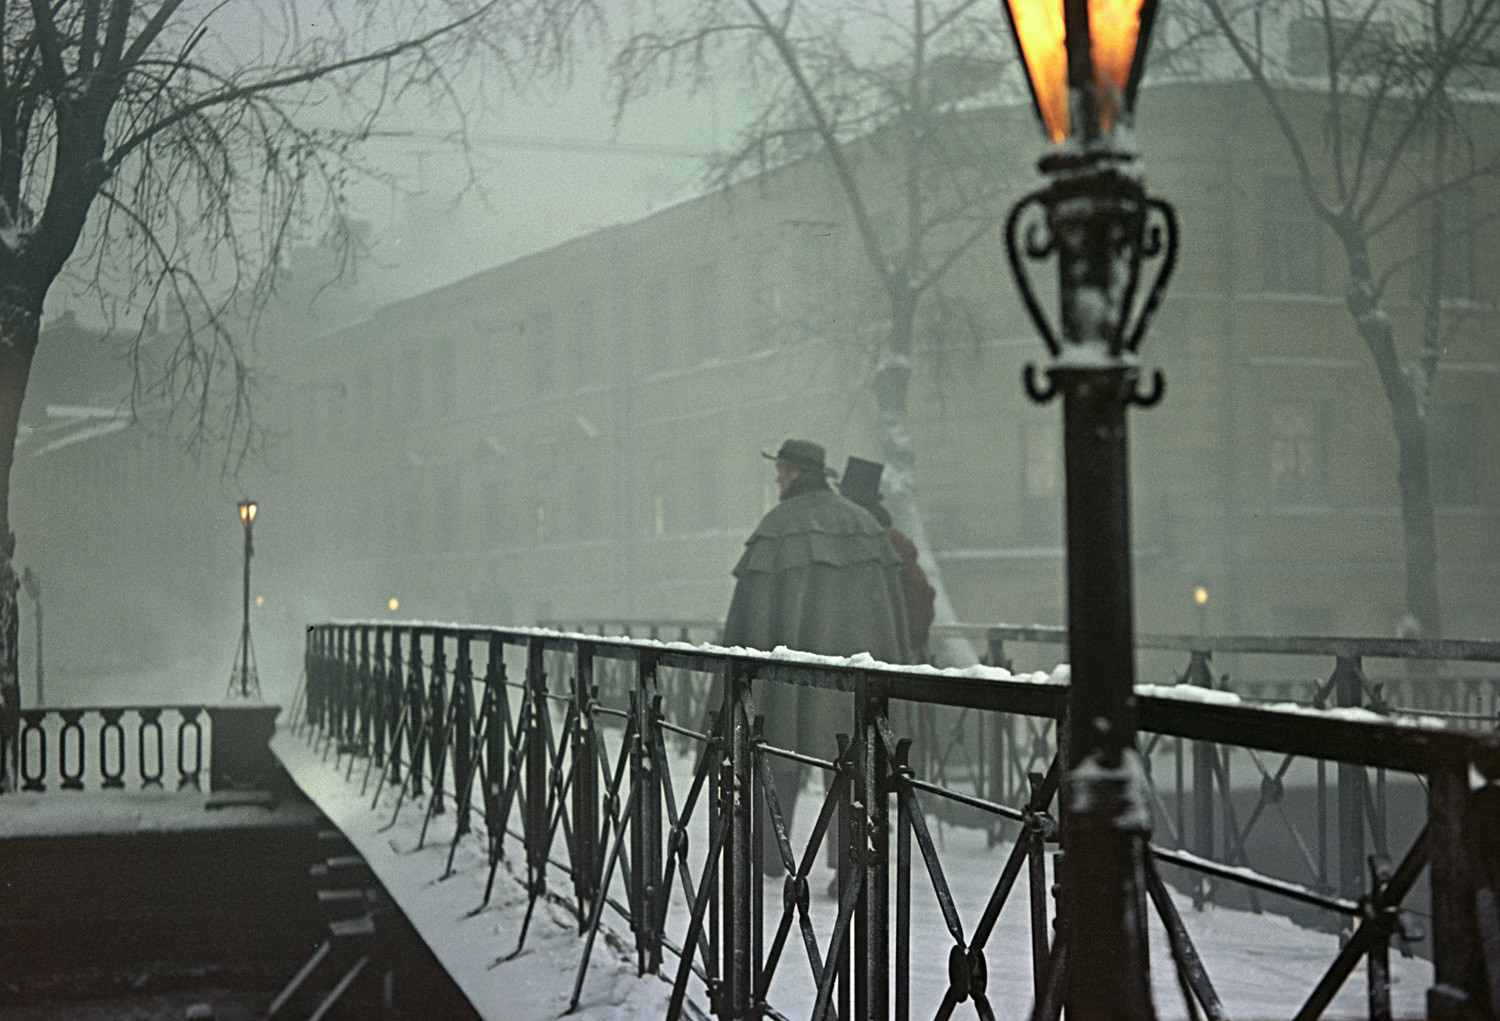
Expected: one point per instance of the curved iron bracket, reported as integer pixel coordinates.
(1153, 237)
(1036, 391)
(1146, 400)
(1037, 247)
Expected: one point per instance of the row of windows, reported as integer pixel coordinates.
(574, 504)
(1298, 456)
(556, 349)
(1292, 241)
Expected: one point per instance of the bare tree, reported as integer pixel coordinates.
(165, 150)
(889, 86)
(1396, 134)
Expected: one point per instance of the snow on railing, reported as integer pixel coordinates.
(638, 770)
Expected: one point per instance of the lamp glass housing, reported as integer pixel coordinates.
(1117, 33)
(247, 512)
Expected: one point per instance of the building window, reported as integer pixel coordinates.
(655, 321)
(1359, 45)
(1039, 464)
(390, 536)
(1292, 239)
(1457, 283)
(411, 384)
(312, 418)
(585, 498)
(768, 298)
(445, 518)
(709, 491)
(1041, 483)
(1301, 619)
(494, 512)
(585, 360)
(335, 406)
(444, 369)
(543, 352)
(705, 299)
(411, 515)
(1453, 454)
(1296, 454)
(819, 286)
(658, 522)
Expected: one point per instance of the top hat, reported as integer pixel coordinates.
(861, 481)
(804, 455)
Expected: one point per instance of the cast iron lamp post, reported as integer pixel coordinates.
(243, 680)
(1083, 62)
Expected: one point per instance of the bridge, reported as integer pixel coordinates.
(569, 818)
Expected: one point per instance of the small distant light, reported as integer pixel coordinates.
(1200, 595)
(394, 604)
(260, 600)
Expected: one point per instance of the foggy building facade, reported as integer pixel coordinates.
(576, 434)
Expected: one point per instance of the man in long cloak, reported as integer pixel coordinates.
(818, 575)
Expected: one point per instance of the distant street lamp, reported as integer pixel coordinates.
(243, 680)
(1083, 61)
(33, 586)
(1200, 599)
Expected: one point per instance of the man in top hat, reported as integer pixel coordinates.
(861, 485)
(818, 575)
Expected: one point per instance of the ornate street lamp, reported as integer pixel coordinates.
(243, 680)
(1083, 61)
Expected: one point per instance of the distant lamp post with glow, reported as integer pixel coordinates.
(1200, 600)
(393, 604)
(1083, 61)
(243, 682)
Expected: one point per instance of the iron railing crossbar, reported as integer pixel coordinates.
(544, 769)
(1457, 649)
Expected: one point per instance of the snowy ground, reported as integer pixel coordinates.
(534, 986)
(1262, 966)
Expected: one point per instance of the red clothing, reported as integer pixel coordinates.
(915, 588)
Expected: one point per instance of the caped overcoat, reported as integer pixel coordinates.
(818, 575)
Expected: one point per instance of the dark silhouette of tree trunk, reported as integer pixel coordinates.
(181, 158)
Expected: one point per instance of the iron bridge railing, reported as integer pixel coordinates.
(565, 747)
(1228, 804)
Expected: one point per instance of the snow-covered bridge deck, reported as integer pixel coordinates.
(537, 984)
(1262, 965)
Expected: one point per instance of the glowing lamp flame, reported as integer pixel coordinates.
(1200, 595)
(394, 604)
(1038, 25)
(247, 512)
(1117, 30)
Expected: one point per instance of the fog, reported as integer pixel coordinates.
(1267, 477)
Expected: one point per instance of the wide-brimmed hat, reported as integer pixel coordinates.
(804, 455)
